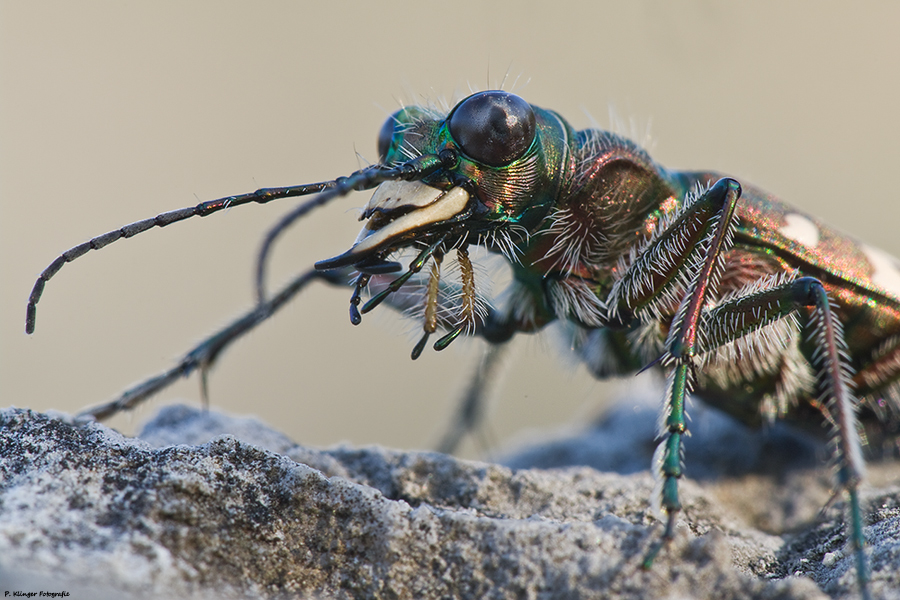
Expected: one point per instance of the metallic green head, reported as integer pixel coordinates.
(508, 162)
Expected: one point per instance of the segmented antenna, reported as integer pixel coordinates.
(364, 179)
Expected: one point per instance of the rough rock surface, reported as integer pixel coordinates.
(205, 505)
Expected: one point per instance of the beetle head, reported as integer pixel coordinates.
(502, 162)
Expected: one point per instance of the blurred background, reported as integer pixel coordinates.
(111, 113)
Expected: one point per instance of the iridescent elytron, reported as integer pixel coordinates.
(758, 309)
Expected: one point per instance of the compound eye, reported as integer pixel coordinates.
(386, 136)
(494, 128)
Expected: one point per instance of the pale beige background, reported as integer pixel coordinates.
(114, 113)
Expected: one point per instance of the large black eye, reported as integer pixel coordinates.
(386, 135)
(494, 128)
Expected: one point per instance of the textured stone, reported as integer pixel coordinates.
(205, 505)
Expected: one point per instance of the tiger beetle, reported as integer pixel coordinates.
(760, 310)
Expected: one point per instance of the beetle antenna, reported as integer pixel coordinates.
(260, 196)
(360, 180)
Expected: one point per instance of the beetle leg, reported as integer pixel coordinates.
(836, 398)
(741, 316)
(682, 264)
(682, 345)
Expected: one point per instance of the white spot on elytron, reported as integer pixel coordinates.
(801, 230)
(884, 269)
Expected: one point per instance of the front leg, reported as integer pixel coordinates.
(679, 267)
(687, 256)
